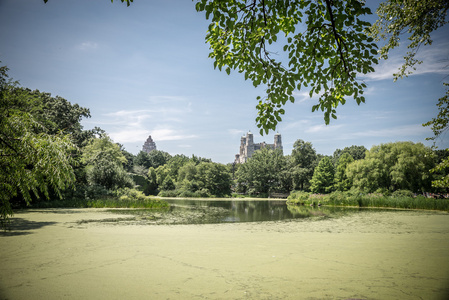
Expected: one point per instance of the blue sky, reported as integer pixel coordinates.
(144, 70)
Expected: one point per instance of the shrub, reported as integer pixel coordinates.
(298, 197)
(129, 198)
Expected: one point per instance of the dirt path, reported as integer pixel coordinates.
(49, 254)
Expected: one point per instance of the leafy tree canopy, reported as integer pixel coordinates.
(262, 172)
(32, 162)
(357, 152)
(324, 42)
(105, 162)
(341, 180)
(417, 18)
(323, 177)
(103, 147)
(440, 125)
(303, 162)
(393, 166)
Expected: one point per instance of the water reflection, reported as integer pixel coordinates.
(233, 211)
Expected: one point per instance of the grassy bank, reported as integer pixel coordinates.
(396, 200)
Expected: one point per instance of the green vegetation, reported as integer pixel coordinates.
(47, 158)
(122, 198)
(393, 166)
(323, 177)
(399, 199)
(263, 173)
(440, 125)
(419, 18)
(302, 163)
(34, 160)
(325, 45)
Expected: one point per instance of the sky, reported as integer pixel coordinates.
(144, 70)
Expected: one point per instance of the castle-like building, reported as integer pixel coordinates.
(247, 147)
(149, 145)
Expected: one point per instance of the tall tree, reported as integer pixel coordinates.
(104, 164)
(302, 163)
(175, 163)
(262, 173)
(214, 178)
(142, 159)
(168, 184)
(32, 162)
(393, 166)
(357, 152)
(323, 177)
(341, 180)
(158, 158)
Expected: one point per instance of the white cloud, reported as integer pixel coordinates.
(301, 96)
(168, 134)
(131, 135)
(164, 121)
(296, 124)
(87, 46)
(434, 57)
(320, 128)
(236, 132)
(393, 132)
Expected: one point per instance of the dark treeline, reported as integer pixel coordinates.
(383, 169)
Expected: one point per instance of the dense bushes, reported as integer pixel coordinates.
(399, 199)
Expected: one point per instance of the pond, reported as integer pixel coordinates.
(243, 252)
(194, 211)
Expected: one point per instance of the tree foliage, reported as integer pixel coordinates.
(341, 180)
(104, 162)
(32, 162)
(302, 163)
(324, 42)
(357, 152)
(417, 18)
(323, 177)
(153, 159)
(440, 125)
(263, 172)
(198, 179)
(393, 166)
(168, 184)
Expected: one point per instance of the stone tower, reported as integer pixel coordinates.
(248, 147)
(149, 145)
(278, 142)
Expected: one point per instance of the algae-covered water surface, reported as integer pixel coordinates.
(120, 254)
(191, 211)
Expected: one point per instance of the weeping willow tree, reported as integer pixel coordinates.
(32, 162)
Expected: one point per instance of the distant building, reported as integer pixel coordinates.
(149, 145)
(247, 147)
